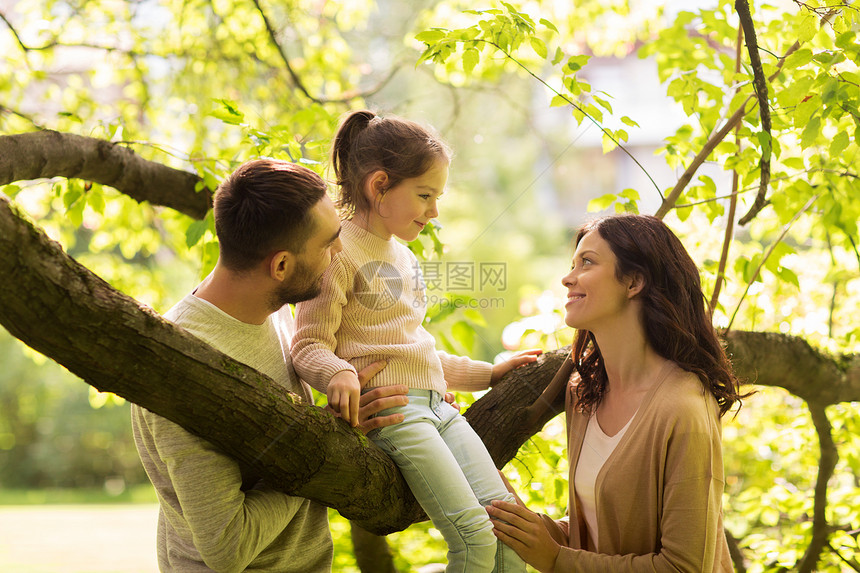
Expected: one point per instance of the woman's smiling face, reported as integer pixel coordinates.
(594, 293)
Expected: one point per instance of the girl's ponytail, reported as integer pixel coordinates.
(349, 130)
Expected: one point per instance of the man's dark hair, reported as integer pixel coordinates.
(262, 207)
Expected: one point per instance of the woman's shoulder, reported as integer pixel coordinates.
(683, 398)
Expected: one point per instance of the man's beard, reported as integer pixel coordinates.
(303, 285)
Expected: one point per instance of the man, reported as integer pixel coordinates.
(278, 231)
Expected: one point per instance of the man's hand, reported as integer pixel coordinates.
(517, 360)
(342, 393)
(379, 399)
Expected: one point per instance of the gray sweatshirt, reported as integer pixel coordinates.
(206, 521)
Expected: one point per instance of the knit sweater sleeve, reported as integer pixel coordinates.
(317, 322)
(462, 373)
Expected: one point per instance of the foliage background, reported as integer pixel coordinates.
(203, 85)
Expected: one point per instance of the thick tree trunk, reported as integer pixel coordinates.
(61, 309)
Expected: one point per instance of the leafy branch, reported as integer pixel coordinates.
(505, 32)
(299, 83)
(767, 255)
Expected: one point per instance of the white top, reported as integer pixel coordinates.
(596, 449)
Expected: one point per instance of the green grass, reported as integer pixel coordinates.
(134, 494)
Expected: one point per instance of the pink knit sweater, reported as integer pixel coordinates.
(372, 307)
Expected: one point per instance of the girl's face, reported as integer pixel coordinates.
(595, 296)
(405, 209)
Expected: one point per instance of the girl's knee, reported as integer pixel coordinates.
(479, 534)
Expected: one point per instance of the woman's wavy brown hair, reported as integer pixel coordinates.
(677, 324)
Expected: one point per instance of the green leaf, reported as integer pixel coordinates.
(788, 276)
(631, 194)
(602, 202)
(549, 25)
(602, 102)
(96, 199)
(195, 232)
(11, 190)
(464, 333)
(470, 60)
(799, 58)
(538, 46)
(808, 27)
(431, 36)
(839, 143)
(794, 162)
(72, 194)
(627, 121)
(810, 132)
(228, 112)
(764, 140)
(558, 57)
(846, 40)
(474, 315)
(575, 63)
(608, 143)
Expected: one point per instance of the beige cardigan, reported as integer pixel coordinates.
(659, 495)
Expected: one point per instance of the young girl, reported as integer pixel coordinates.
(391, 173)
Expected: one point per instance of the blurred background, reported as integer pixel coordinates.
(203, 85)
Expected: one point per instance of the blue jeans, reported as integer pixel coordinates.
(453, 477)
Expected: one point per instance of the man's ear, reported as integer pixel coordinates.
(375, 186)
(635, 284)
(281, 265)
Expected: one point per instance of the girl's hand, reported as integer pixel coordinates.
(517, 360)
(343, 395)
(523, 531)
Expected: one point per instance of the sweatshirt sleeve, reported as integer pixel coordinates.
(230, 527)
(317, 322)
(462, 373)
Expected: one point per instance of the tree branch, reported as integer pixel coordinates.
(299, 84)
(733, 204)
(713, 141)
(61, 309)
(789, 362)
(760, 85)
(826, 465)
(46, 154)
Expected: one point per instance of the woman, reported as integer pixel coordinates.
(646, 471)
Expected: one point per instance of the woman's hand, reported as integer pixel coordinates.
(523, 531)
(517, 360)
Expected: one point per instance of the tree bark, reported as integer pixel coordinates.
(39, 154)
(64, 311)
(59, 308)
(372, 554)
